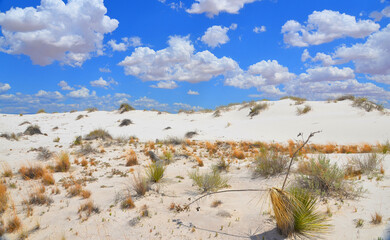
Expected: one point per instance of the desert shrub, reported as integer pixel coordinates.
(367, 105)
(217, 113)
(77, 141)
(255, 110)
(11, 136)
(173, 141)
(367, 163)
(221, 165)
(211, 181)
(125, 122)
(44, 154)
(384, 147)
(125, 107)
(298, 100)
(57, 139)
(325, 179)
(3, 198)
(62, 162)
(155, 171)
(167, 157)
(41, 111)
(31, 172)
(47, 178)
(376, 218)
(86, 149)
(127, 202)
(238, 154)
(6, 170)
(301, 111)
(91, 109)
(74, 190)
(38, 197)
(85, 194)
(140, 184)
(79, 117)
(270, 163)
(98, 134)
(32, 130)
(190, 134)
(345, 97)
(88, 208)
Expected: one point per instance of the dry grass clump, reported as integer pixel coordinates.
(62, 162)
(127, 202)
(131, 158)
(173, 141)
(91, 109)
(222, 165)
(7, 171)
(38, 197)
(216, 203)
(345, 97)
(304, 110)
(238, 154)
(87, 209)
(298, 100)
(41, 111)
(84, 162)
(47, 178)
(256, 109)
(3, 198)
(155, 171)
(217, 113)
(32, 172)
(140, 184)
(125, 107)
(32, 130)
(85, 194)
(44, 153)
(207, 182)
(366, 164)
(270, 163)
(98, 134)
(376, 218)
(86, 149)
(211, 148)
(384, 147)
(11, 136)
(325, 179)
(13, 224)
(74, 190)
(125, 122)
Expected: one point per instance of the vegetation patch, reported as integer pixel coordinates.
(98, 134)
(125, 107)
(211, 181)
(125, 122)
(256, 109)
(32, 130)
(270, 163)
(304, 110)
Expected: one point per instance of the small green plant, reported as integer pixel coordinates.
(270, 163)
(167, 156)
(57, 139)
(359, 223)
(207, 182)
(256, 109)
(78, 141)
(155, 171)
(125, 107)
(222, 165)
(301, 111)
(98, 134)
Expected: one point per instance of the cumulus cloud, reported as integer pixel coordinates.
(259, 75)
(148, 103)
(103, 83)
(326, 26)
(64, 86)
(104, 70)
(320, 74)
(125, 44)
(177, 62)
(185, 106)
(165, 85)
(215, 36)
(190, 92)
(69, 33)
(214, 7)
(49, 95)
(233, 26)
(259, 29)
(305, 55)
(377, 16)
(81, 93)
(371, 57)
(4, 87)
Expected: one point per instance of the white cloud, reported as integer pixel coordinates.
(386, 11)
(326, 26)
(233, 26)
(214, 7)
(377, 16)
(259, 29)
(186, 106)
(215, 36)
(371, 57)
(103, 83)
(4, 87)
(320, 74)
(64, 86)
(68, 33)
(104, 70)
(326, 60)
(177, 62)
(259, 75)
(125, 44)
(305, 55)
(81, 93)
(148, 103)
(165, 85)
(49, 95)
(190, 92)
(380, 78)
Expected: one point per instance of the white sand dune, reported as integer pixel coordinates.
(241, 215)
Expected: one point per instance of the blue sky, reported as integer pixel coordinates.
(193, 54)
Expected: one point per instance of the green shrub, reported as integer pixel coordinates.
(78, 141)
(270, 163)
(125, 107)
(207, 182)
(367, 105)
(98, 134)
(155, 171)
(301, 111)
(41, 111)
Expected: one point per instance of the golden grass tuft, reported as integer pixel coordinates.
(85, 194)
(32, 172)
(376, 218)
(3, 198)
(238, 154)
(128, 202)
(47, 178)
(199, 161)
(84, 162)
(87, 208)
(13, 224)
(7, 171)
(131, 158)
(62, 162)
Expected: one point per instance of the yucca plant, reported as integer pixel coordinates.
(155, 171)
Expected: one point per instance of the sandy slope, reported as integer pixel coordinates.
(243, 215)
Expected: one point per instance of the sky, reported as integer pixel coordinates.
(192, 54)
